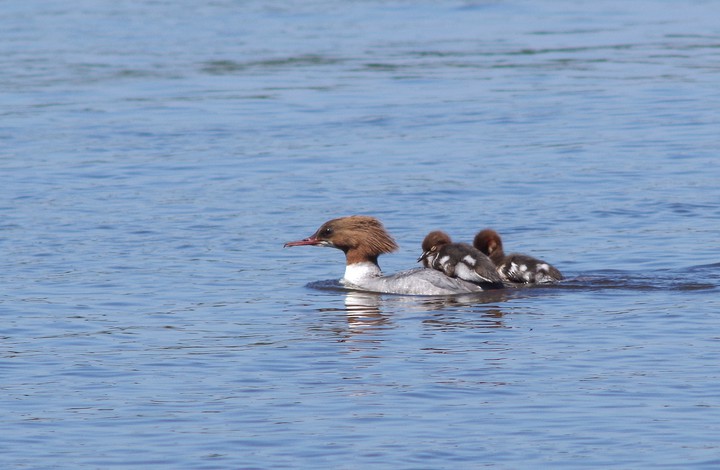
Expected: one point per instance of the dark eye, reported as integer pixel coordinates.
(327, 231)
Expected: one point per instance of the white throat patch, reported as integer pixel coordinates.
(357, 272)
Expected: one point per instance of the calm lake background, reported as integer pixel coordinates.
(156, 155)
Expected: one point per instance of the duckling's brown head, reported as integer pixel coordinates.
(431, 244)
(489, 242)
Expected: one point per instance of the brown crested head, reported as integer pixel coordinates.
(489, 242)
(434, 240)
(361, 237)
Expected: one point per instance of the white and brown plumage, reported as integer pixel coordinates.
(363, 239)
(515, 267)
(459, 260)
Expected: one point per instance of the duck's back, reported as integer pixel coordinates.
(525, 269)
(418, 281)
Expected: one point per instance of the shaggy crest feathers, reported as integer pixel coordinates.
(357, 231)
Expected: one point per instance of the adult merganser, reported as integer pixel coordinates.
(459, 260)
(363, 239)
(515, 267)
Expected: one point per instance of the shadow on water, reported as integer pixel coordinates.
(700, 278)
(368, 312)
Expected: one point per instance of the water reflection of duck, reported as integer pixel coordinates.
(368, 303)
(364, 310)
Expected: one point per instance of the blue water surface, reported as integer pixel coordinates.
(155, 156)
